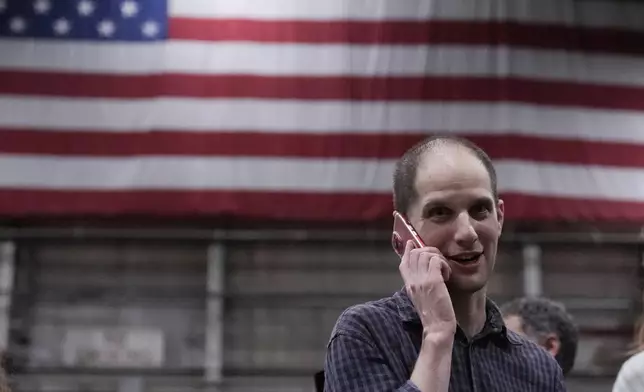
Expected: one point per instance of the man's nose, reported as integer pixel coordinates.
(465, 233)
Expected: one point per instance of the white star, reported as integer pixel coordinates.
(3, 5)
(85, 7)
(129, 8)
(106, 28)
(150, 29)
(61, 26)
(42, 6)
(17, 24)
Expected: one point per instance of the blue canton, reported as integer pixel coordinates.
(95, 20)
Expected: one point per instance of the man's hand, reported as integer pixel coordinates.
(425, 272)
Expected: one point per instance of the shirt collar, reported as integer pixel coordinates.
(494, 324)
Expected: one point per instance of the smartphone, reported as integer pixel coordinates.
(403, 231)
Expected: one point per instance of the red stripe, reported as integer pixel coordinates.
(412, 32)
(470, 89)
(302, 145)
(282, 206)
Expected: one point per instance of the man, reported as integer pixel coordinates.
(440, 332)
(546, 323)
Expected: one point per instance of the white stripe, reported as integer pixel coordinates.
(596, 182)
(274, 59)
(84, 57)
(266, 174)
(318, 117)
(586, 13)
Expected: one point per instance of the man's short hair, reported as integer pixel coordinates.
(540, 317)
(405, 193)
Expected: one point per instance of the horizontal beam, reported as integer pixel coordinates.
(287, 235)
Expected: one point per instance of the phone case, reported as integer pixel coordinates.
(403, 231)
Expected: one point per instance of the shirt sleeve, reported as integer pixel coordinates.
(560, 383)
(353, 364)
(630, 377)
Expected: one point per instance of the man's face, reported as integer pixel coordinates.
(455, 211)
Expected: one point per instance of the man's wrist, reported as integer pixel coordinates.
(438, 334)
(432, 369)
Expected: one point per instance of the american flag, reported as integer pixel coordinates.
(297, 109)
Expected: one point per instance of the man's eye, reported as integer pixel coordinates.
(480, 211)
(439, 212)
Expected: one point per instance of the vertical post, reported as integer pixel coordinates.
(640, 272)
(532, 271)
(637, 310)
(214, 315)
(7, 267)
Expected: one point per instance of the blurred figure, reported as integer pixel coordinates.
(546, 323)
(4, 381)
(630, 377)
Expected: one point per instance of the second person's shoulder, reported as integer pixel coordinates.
(532, 355)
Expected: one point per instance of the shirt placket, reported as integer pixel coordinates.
(472, 369)
(462, 365)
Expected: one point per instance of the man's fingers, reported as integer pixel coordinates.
(446, 270)
(414, 257)
(424, 262)
(439, 267)
(430, 250)
(420, 261)
(404, 260)
(409, 246)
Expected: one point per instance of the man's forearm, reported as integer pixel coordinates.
(434, 364)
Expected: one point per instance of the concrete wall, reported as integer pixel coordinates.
(279, 301)
(65, 290)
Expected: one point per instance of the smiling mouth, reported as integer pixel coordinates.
(466, 259)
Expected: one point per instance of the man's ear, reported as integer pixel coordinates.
(500, 213)
(552, 344)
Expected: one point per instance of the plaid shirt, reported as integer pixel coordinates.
(374, 346)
